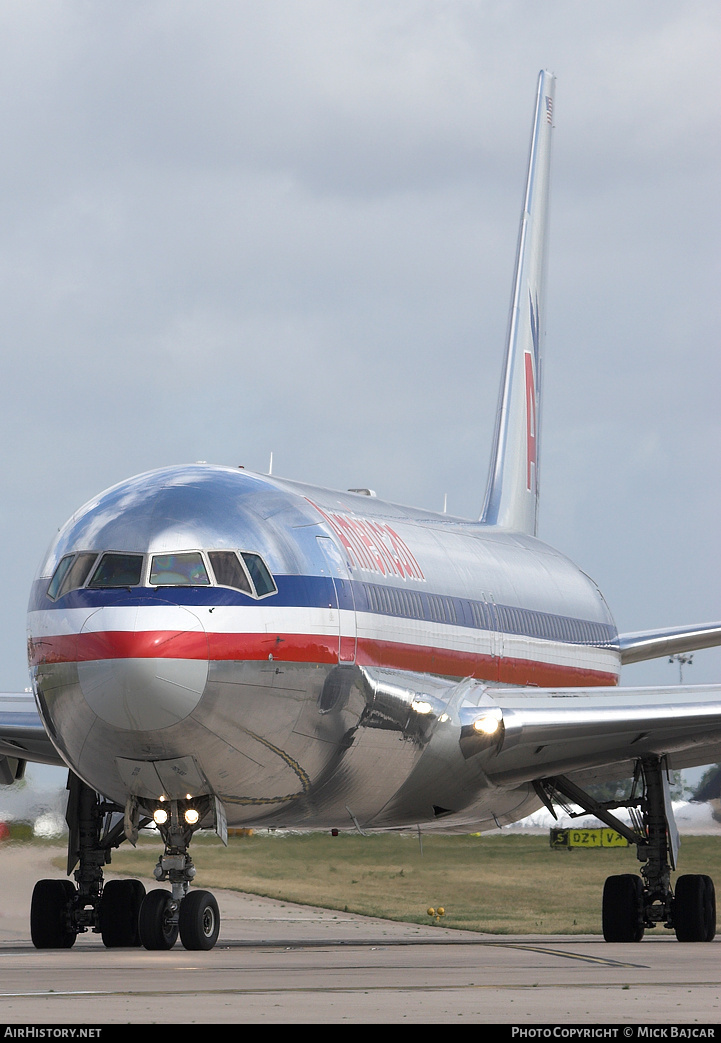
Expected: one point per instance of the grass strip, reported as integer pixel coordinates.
(500, 884)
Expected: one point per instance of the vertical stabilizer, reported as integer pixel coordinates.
(512, 496)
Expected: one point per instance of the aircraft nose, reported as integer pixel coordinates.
(140, 668)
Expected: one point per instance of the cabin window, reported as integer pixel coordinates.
(262, 579)
(228, 570)
(438, 608)
(118, 570)
(178, 570)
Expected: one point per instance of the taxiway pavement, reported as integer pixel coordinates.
(287, 964)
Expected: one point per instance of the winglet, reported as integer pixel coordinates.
(512, 494)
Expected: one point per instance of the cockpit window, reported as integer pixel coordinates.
(254, 579)
(241, 570)
(228, 570)
(118, 570)
(71, 573)
(178, 570)
(59, 575)
(262, 579)
(78, 573)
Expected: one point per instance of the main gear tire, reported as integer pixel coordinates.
(120, 913)
(622, 909)
(51, 915)
(694, 908)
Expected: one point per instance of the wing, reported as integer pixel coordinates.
(516, 736)
(593, 733)
(22, 737)
(651, 644)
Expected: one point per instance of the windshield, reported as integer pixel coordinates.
(178, 570)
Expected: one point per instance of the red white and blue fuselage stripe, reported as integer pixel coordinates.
(304, 623)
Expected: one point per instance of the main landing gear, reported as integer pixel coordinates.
(631, 904)
(120, 910)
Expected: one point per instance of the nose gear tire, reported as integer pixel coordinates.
(199, 920)
(157, 928)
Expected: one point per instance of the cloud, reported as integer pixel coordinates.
(280, 226)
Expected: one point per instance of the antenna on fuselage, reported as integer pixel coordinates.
(270, 465)
(512, 494)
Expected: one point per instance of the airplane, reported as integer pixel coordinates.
(214, 647)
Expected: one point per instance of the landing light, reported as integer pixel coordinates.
(191, 816)
(489, 722)
(421, 706)
(160, 817)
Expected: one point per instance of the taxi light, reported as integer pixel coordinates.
(160, 817)
(191, 816)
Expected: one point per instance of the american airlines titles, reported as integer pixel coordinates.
(372, 545)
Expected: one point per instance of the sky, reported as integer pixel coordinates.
(232, 229)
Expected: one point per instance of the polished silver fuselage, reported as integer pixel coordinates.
(301, 708)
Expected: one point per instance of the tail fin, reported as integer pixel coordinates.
(512, 494)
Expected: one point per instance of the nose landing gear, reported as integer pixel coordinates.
(165, 914)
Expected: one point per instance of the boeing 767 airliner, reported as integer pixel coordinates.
(211, 647)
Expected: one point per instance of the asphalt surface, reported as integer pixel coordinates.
(281, 963)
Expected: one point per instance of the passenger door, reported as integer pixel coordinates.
(344, 604)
